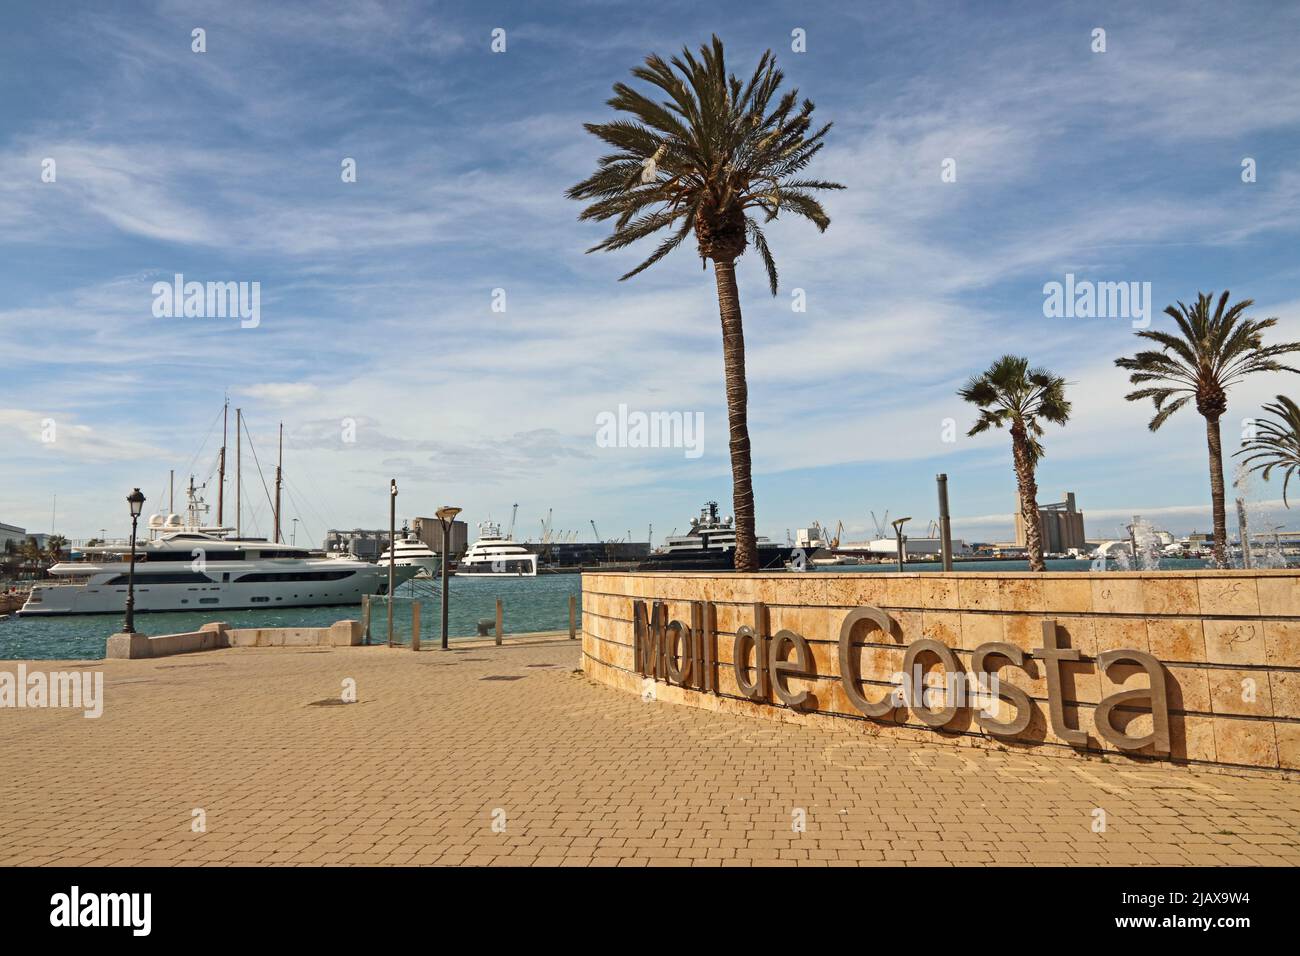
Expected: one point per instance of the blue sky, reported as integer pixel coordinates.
(376, 296)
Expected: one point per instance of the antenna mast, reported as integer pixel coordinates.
(239, 445)
(221, 467)
(278, 481)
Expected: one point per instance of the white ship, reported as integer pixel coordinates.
(493, 555)
(186, 567)
(411, 552)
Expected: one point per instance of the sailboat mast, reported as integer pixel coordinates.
(221, 468)
(279, 466)
(239, 427)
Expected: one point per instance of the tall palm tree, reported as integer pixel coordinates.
(54, 546)
(1215, 348)
(700, 160)
(1276, 443)
(1011, 393)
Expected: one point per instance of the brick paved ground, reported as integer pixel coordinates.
(413, 772)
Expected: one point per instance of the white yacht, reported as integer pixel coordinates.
(493, 555)
(186, 567)
(411, 552)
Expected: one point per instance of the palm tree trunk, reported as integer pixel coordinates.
(1216, 492)
(1028, 497)
(733, 361)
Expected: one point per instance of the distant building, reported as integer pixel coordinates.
(368, 544)
(9, 532)
(1060, 525)
(359, 542)
(429, 530)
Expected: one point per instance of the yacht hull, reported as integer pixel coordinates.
(770, 558)
(216, 595)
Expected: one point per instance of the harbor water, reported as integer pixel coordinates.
(530, 604)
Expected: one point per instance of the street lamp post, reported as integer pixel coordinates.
(945, 522)
(392, 552)
(136, 500)
(446, 518)
(898, 534)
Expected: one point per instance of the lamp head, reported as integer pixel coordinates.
(136, 500)
(447, 513)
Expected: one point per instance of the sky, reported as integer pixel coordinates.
(436, 320)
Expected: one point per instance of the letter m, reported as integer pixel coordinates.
(223, 300)
(65, 689)
(648, 638)
(1115, 295)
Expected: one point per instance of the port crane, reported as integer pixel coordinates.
(510, 535)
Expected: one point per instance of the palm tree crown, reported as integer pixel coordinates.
(703, 158)
(1011, 393)
(1215, 348)
(1212, 352)
(1276, 443)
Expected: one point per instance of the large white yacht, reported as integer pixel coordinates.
(186, 567)
(493, 555)
(411, 552)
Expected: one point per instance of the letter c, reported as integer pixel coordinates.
(849, 675)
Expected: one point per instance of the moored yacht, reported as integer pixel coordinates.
(711, 546)
(411, 552)
(494, 555)
(186, 567)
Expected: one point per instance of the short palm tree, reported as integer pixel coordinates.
(713, 151)
(1276, 444)
(1011, 393)
(31, 551)
(1215, 348)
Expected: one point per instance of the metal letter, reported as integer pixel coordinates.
(928, 645)
(755, 637)
(1051, 654)
(1155, 696)
(678, 653)
(849, 675)
(647, 638)
(780, 667)
(1008, 692)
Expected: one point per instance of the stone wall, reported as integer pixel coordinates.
(1226, 643)
(215, 636)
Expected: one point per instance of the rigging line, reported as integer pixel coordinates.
(266, 490)
(297, 513)
(211, 428)
(315, 496)
(324, 523)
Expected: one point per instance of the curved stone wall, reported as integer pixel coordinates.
(1199, 667)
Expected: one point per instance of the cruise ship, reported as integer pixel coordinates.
(494, 555)
(410, 551)
(185, 567)
(710, 545)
